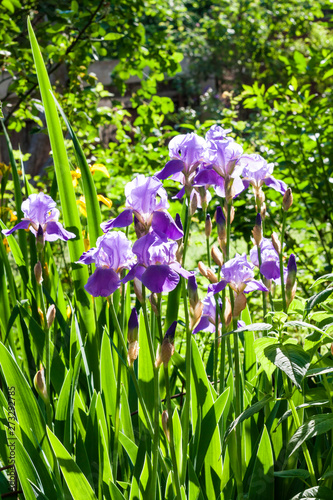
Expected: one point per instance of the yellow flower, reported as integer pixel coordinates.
(104, 200)
(13, 217)
(76, 174)
(98, 167)
(7, 247)
(82, 206)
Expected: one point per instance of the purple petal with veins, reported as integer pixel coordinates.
(160, 278)
(103, 282)
(123, 220)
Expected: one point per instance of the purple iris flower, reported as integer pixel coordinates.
(208, 315)
(270, 263)
(147, 200)
(157, 267)
(256, 171)
(41, 216)
(222, 167)
(112, 254)
(238, 272)
(186, 152)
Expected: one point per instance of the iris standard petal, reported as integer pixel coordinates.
(164, 223)
(204, 325)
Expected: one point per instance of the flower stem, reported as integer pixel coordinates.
(188, 356)
(281, 263)
(171, 442)
(264, 300)
(156, 393)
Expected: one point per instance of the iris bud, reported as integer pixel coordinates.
(40, 385)
(38, 273)
(50, 315)
(227, 311)
(194, 203)
(287, 200)
(276, 243)
(239, 304)
(167, 348)
(165, 420)
(291, 279)
(133, 326)
(217, 256)
(40, 239)
(257, 230)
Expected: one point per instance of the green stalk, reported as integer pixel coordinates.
(298, 424)
(216, 343)
(156, 394)
(186, 409)
(264, 300)
(121, 342)
(47, 347)
(222, 362)
(171, 442)
(281, 263)
(207, 243)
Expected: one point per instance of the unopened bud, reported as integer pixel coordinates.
(194, 203)
(40, 385)
(217, 256)
(192, 288)
(232, 212)
(208, 226)
(137, 285)
(203, 197)
(257, 230)
(133, 326)
(202, 269)
(139, 228)
(165, 420)
(167, 348)
(154, 303)
(38, 273)
(239, 304)
(221, 230)
(291, 279)
(40, 239)
(260, 198)
(133, 351)
(276, 243)
(179, 252)
(332, 349)
(50, 315)
(263, 211)
(227, 311)
(178, 221)
(196, 313)
(211, 276)
(287, 200)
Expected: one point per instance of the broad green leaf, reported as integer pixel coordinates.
(75, 479)
(177, 437)
(318, 424)
(316, 299)
(262, 479)
(288, 413)
(315, 493)
(108, 380)
(259, 348)
(146, 478)
(291, 359)
(113, 36)
(68, 204)
(145, 371)
(116, 494)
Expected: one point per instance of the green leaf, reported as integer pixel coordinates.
(259, 347)
(255, 408)
(301, 473)
(316, 299)
(68, 203)
(31, 422)
(208, 427)
(262, 478)
(26, 471)
(315, 493)
(291, 359)
(89, 190)
(113, 36)
(318, 424)
(75, 479)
